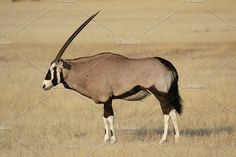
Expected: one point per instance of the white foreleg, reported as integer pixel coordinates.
(106, 125)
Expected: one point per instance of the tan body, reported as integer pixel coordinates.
(108, 75)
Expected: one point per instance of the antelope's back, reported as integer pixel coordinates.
(123, 73)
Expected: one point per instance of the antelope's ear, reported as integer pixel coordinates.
(66, 65)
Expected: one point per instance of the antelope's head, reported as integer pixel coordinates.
(54, 74)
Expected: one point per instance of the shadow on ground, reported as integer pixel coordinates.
(144, 134)
(206, 131)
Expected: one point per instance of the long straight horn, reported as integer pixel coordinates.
(67, 43)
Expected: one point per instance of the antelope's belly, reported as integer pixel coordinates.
(137, 96)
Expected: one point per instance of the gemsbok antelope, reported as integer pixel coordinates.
(107, 76)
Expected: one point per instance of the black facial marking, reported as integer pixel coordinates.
(54, 81)
(48, 76)
(111, 133)
(105, 132)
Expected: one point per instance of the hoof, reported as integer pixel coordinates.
(162, 141)
(176, 139)
(113, 140)
(106, 140)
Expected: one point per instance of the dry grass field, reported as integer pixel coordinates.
(197, 36)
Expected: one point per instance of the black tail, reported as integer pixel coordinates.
(173, 94)
(174, 97)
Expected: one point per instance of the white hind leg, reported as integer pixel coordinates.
(175, 124)
(166, 124)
